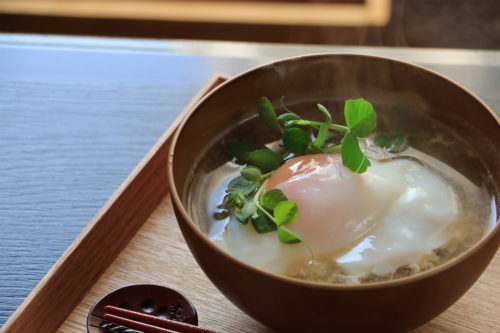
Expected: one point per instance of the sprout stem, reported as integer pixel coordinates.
(256, 198)
(266, 213)
(335, 127)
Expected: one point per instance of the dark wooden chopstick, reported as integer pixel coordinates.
(137, 325)
(148, 323)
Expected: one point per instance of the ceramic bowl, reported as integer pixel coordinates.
(394, 88)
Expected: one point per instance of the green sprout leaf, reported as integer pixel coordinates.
(352, 156)
(295, 140)
(237, 185)
(251, 173)
(286, 212)
(240, 190)
(239, 150)
(287, 236)
(265, 159)
(360, 117)
(244, 213)
(271, 198)
(262, 223)
(267, 114)
(287, 116)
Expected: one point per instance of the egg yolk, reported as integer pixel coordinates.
(336, 207)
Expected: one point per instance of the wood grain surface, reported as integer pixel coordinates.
(158, 254)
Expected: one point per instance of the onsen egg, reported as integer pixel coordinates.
(373, 222)
(336, 206)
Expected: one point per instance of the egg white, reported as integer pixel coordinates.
(394, 213)
(414, 225)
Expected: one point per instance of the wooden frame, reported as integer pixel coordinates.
(367, 12)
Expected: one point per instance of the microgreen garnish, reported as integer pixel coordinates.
(239, 150)
(360, 117)
(361, 121)
(285, 235)
(286, 212)
(265, 159)
(251, 173)
(268, 212)
(352, 156)
(323, 128)
(271, 210)
(268, 115)
(295, 140)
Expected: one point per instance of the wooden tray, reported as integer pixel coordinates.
(135, 239)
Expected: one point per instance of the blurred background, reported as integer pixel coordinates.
(471, 24)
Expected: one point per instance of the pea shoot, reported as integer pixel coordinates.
(271, 210)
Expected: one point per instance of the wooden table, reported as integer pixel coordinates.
(77, 114)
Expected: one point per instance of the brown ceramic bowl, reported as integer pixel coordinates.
(290, 305)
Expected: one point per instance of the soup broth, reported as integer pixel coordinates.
(427, 147)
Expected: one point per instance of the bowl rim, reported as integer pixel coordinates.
(311, 284)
